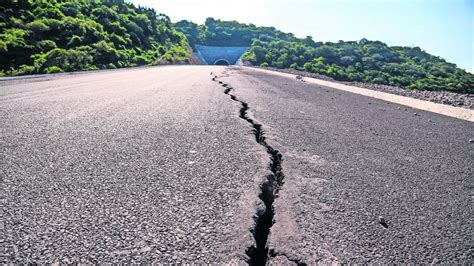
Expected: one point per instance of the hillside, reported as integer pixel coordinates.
(365, 61)
(228, 33)
(57, 36)
(362, 61)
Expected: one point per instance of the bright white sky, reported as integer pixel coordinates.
(441, 27)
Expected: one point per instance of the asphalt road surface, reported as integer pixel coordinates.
(166, 164)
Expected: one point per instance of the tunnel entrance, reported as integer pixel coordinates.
(222, 62)
(219, 55)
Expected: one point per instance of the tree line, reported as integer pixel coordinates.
(363, 60)
(216, 32)
(50, 36)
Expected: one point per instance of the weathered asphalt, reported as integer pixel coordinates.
(351, 160)
(139, 165)
(155, 165)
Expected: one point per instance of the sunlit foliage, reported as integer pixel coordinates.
(363, 61)
(50, 36)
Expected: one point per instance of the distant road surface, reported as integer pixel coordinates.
(162, 165)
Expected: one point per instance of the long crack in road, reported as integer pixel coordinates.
(259, 253)
(157, 165)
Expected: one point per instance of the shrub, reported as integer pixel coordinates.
(53, 69)
(24, 70)
(141, 60)
(75, 41)
(37, 26)
(46, 45)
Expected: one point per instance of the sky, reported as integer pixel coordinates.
(441, 27)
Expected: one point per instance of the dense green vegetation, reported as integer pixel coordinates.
(228, 33)
(49, 36)
(364, 61)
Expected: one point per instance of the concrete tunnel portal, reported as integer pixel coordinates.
(219, 55)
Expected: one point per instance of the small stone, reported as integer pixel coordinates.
(382, 221)
(192, 151)
(415, 114)
(191, 162)
(471, 141)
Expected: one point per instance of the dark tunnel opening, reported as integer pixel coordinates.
(222, 62)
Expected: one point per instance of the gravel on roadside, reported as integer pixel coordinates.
(442, 97)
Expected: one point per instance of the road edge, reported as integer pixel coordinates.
(447, 110)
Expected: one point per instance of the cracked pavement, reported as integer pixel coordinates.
(139, 165)
(154, 165)
(352, 162)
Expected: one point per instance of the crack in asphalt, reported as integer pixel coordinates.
(259, 253)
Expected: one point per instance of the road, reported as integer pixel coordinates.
(167, 164)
